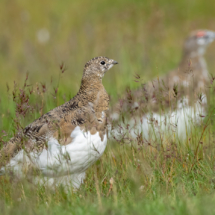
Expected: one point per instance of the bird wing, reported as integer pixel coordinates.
(60, 120)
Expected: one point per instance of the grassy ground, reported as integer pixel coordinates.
(145, 37)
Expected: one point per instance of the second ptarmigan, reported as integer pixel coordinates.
(167, 107)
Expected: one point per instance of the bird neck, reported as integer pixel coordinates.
(195, 65)
(93, 91)
(91, 84)
(192, 60)
(199, 52)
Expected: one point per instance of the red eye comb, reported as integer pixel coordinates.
(200, 34)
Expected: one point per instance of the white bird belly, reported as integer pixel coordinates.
(154, 125)
(60, 160)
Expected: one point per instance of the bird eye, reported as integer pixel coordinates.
(102, 63)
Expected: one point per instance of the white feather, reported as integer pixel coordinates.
(153, 126)
(61, 162)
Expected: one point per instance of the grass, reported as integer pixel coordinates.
(141, 35)
(146, 38)
(144, 182)
(176, 178)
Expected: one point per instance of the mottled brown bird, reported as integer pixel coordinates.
(169, 103)
(64, 142)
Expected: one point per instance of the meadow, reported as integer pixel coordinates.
(39, 39)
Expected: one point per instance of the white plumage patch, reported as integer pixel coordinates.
(63, 162)
(153, 126)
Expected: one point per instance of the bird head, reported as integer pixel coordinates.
(197, 42)
(98, 66)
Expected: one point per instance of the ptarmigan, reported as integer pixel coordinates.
(168, 105)
(64, 142)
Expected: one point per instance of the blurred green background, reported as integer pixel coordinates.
(145, 37)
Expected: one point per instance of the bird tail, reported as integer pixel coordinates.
(9, 150)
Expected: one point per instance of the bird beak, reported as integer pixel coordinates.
(114, 62)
